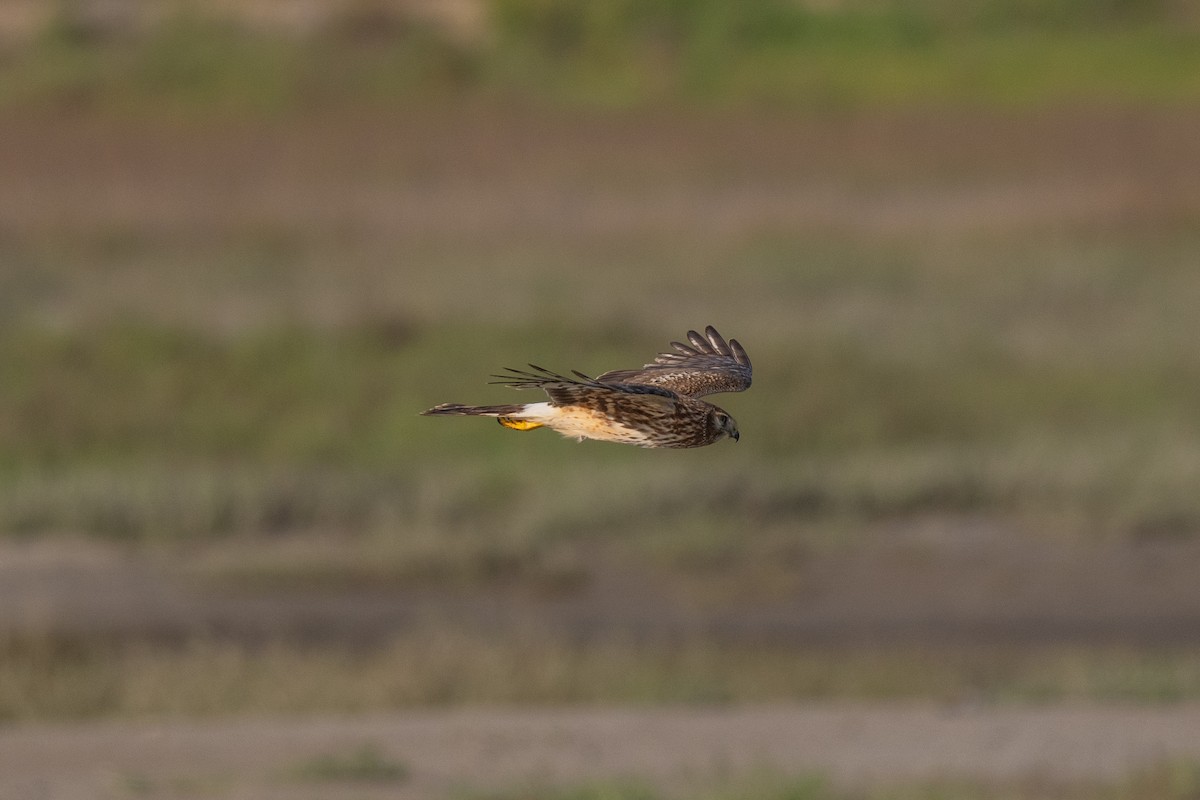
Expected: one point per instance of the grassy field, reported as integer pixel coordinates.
(1049, 382)
(611, 54)
(958, 241)
(444, 666)
(233, 382)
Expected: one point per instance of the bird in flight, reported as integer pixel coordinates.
(655, 406)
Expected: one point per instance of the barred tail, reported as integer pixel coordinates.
(508, 415)
(459, 410)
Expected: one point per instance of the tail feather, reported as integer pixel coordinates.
(459, 410)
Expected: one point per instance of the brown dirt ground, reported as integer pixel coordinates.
(976, 588)
(345, 202)
(676, 748)
(932, 583)
(478, 171)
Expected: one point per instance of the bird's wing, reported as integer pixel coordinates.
(580, 390)
(707, 365)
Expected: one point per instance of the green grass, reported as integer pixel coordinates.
(621, 54)
(1048, 383)
(232, 382)
(140, 431)
(1045, 382)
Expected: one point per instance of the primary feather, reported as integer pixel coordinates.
(709, 365)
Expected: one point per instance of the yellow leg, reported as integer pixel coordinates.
(518, 424)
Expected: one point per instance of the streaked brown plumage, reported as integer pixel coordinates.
(655, 406)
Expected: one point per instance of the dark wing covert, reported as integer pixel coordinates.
(707, 365)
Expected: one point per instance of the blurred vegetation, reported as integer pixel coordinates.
(619, 52)
(443, 665)
(1053, 391)
(1168, 781)
(365, 764)
(218, 353)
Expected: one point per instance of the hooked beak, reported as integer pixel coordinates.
(736, 436)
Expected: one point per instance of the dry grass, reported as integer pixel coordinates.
(446, 666)
(234, 382)
(220, 313)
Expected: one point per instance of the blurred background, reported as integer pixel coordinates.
(243, 244)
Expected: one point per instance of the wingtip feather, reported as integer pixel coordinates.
(698, 341)
(717, 341)
(738, 352)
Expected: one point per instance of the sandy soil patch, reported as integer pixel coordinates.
(675, 748)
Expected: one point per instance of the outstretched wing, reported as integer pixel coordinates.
(707, 365)
(580, 390)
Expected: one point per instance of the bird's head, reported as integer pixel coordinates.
(723, 425)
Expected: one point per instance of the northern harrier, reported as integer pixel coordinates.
(654, 406)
